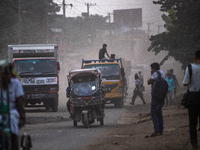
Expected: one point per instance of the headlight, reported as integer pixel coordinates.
(119, 90)
(93, 88)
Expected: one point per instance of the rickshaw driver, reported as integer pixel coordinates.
(68, 101)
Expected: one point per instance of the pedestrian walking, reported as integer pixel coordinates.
(137, 91)
(174, 90)
(141, 78)
(194, 86)
(171, 85)
(156, 106)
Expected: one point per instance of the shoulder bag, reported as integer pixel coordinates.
(191, 99)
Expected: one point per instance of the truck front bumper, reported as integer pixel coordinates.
(41, 96)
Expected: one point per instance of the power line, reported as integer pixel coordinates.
(99, 11)
(79, 2)
(102, 11)
(130, 4)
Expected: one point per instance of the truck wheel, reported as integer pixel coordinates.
(86, 122)
(55, 105)
(119, 103)
(122, 102)
(47, 108)
(75, 123)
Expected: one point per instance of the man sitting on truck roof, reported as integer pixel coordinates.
(103, 51)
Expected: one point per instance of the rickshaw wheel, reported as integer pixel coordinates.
(86, 122)
(102, 121)
(75, 123)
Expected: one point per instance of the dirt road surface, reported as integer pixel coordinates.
(125, 129)
(135, 127)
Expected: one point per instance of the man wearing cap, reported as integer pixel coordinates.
(103, 51)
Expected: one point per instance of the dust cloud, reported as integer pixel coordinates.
(134, 51)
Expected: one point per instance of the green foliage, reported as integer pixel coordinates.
(183, 39)
(33, 19)
(79, 30)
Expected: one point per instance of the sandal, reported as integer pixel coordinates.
(156, 134)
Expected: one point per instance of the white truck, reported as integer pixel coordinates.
(38, 68)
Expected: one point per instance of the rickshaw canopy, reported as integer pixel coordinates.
(94, 71)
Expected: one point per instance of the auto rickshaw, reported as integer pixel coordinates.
(86, 96)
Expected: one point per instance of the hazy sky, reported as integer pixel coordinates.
(150, 12)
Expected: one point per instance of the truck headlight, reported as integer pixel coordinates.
(119, 90)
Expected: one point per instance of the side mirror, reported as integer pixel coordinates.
(58, 66)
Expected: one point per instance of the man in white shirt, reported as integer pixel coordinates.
(194, 86)
(156, 107)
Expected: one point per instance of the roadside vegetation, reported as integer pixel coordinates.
(182, 36)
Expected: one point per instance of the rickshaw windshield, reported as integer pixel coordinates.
(84, 85)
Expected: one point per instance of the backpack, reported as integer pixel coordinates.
(159, 88)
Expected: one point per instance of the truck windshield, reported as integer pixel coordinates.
(35, 66)
(109, 71)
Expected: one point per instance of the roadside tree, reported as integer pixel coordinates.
(182, 36)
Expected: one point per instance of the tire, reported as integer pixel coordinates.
(119, 103)
(55, 105)
(102, 121)
(122, 102)
(75, 123)
(86, 122)
(47, 108)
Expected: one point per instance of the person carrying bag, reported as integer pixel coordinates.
(191, 99)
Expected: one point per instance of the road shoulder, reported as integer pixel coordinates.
(135, 126)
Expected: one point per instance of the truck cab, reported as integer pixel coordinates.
(38, 68)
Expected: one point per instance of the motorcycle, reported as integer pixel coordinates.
(86, 96)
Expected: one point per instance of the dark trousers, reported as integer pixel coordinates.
(68, 105)
(138, 93)
(156, 115)
(194, 114)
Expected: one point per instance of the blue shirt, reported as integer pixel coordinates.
(170, 83)
(67, 90)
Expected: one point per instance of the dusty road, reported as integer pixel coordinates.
(126, 128)
(55, 131)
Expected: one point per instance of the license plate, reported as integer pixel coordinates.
(37, 95)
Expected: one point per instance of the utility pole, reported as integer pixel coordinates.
(19, 14)
(149, 29)
(88, 15)
(46, 22)
(64, 21)
(132, 33)
(109, 17)
(88, 8)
